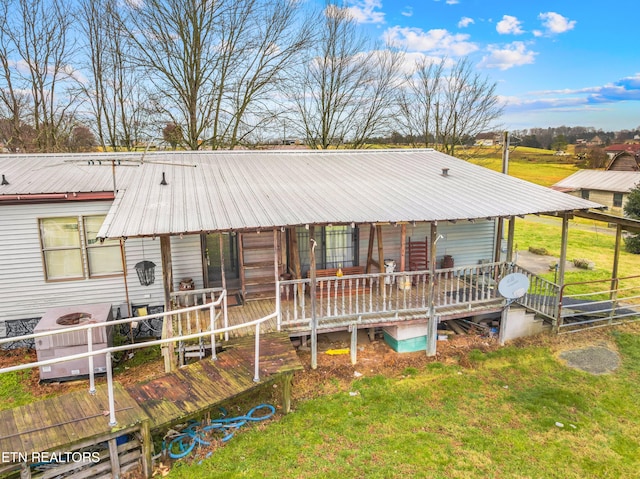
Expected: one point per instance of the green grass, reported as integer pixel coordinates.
(12, 390)
(598, 247)
(496, 419)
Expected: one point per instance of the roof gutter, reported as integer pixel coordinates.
(56, 197)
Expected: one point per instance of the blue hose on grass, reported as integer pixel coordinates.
(182, 444)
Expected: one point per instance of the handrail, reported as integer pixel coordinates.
(114, 349)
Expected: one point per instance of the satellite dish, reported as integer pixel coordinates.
(514, 286)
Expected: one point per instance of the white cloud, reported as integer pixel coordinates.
(437, 41)
(508, 56)
(556, 23)
(365, 11)
(465, 22)
(452, 2)
(407, 12)
(509, 25)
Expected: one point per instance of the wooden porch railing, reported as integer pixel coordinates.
(370, 297)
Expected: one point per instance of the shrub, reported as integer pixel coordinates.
(583, 263)
(540, 251)
(632, 244)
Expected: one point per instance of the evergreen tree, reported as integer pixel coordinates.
(632, 210)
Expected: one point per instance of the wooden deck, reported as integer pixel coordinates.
(74, 420)
(198, 386)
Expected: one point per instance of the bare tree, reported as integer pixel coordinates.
(214, 65)
(115, 90)
(442, 104)
(36, 47)
(343, 94)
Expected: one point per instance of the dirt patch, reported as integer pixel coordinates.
(592, 359)
(538, 264)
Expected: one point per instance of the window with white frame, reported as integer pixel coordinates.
(71, 251)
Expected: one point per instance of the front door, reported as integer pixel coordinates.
(214, 262)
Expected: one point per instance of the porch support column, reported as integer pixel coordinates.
(616, 259)
(312, 293)
(403, 246)
(561, 267)
(168, 350)
(498, 245)
(221, 246)
(432, 329)
(512, 229)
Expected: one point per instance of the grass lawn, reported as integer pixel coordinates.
(512, 413)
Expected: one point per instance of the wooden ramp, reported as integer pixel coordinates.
(69, 422)
(194, 388)
(76, 420)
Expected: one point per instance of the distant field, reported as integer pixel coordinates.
(545, 174)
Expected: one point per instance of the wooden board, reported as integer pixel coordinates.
(65, 420)
(197, 387)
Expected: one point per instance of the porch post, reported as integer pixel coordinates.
(432, 329)
(561, 267)
(403, 246)
(168, 351)
(512, 228)
(221, 246)
(616, 259)
(498, 245)
(312, 293)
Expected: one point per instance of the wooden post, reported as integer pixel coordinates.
(221, 247)
(147, 448)
(354, 343)
(380, 248)
(511, 233)
(616, 259)
(167, 282)
(123, 256)
(403, 246)
(294, 253)
(432, 330)
(113, 458)
(312, 292)
(241, 265)
(370, 249)
(498, 245)
(286, 381)
(561, 267)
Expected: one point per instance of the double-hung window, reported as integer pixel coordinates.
(337, 247)
(71, 251)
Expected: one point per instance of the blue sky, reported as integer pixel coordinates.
(560, 62)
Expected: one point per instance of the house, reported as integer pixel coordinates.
(613, 150)
(610, 188)
(487, 139)
(134, 232)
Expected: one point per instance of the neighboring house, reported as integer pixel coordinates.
(242, 220)
(613, 150)
(487, 139)
(596, 141)
(609, 188)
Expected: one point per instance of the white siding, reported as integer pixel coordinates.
(466, 242)
(24, 293)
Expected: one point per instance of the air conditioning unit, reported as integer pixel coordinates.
(73, 342)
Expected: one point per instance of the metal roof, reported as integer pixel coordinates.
(226, 191)
(618, 181)
(63, 173)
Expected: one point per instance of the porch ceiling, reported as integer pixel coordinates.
(227, 191)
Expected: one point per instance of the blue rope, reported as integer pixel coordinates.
(195, 433)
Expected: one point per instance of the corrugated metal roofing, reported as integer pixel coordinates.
(618, 181)
(209, 191)
(60, 173)
(238, 190)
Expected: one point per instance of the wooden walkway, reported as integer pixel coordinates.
(75, 420)
(194, 388)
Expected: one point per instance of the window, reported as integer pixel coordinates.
(71, 251)
(336, 247)
(617, 200)
(585, 194)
